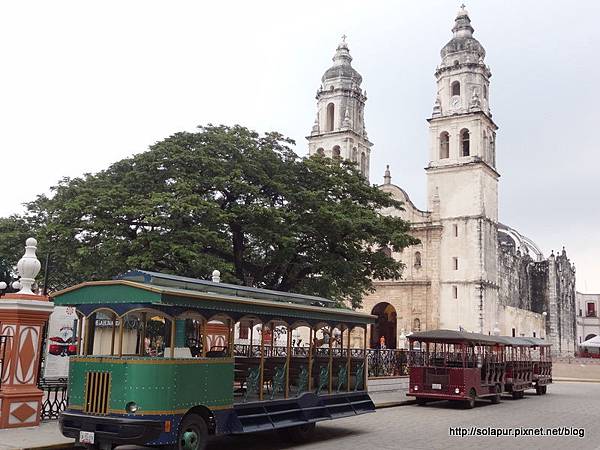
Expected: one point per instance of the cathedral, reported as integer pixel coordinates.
(470, 272)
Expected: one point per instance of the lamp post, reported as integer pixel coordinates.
(545, 316)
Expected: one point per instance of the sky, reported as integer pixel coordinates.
(85, 84)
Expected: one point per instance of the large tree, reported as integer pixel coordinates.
(225, 198)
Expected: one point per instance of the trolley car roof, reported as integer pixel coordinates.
(124, 295)
(455, 336)
(465, 336)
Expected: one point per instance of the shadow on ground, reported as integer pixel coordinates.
(269, 440)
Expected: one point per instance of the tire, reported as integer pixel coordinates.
(544, 390)
(495, 399)
(299, 434)
(539, 390)
(421, 401)
(470, 402)
(192, 434)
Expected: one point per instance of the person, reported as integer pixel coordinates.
(382, 343)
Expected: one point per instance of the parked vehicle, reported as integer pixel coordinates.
(167, 360)
(519, 366)
(461, 366)
(456, 366)
(542, 365)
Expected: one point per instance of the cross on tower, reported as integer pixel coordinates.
(344, 38)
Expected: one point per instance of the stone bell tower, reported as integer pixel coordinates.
(339, 128)
(462, 176)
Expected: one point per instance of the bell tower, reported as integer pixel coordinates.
(462, 177)
(339, 128)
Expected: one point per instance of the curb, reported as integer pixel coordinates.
(394, 404)
(576, 380)
(50, 446)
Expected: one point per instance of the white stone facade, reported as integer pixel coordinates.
(339, 128)
(453, 278)
(588, 318)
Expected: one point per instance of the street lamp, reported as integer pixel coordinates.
(544, 315)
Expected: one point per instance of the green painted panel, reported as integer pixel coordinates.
(157, 384)
(103, 294)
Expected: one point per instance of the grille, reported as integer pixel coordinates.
(97, 388)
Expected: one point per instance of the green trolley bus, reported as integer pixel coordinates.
(167, 361)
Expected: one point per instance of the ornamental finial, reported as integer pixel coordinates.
(28, 267)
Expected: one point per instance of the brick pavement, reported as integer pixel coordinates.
(416, 427)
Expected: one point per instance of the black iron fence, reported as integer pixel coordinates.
(387, 363)
(55, 397)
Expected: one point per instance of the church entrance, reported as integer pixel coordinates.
(385, 325)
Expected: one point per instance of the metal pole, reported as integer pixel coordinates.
(288, 361)
(366, 374)
(349, 363)
(172, 350)
(262, 361)
(310, 360)
(330, 359)
(112, 335)
(121, 326)
(251, 338)
(204, 337)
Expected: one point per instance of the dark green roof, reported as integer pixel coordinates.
(121, 294)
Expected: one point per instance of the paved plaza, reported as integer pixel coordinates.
(416, 427)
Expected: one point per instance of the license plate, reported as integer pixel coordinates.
(436, 386)
(86, 437)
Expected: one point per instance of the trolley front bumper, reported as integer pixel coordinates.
(116, 430)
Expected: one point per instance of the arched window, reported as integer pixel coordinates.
(485, 93)
(464, 142)
(363, 163)
(354, 155)
(444, 145)
(330, 116)
(485, 147)
(416, 325)
(320, 151)
(456, 88)
(335, 153)
(417, 259)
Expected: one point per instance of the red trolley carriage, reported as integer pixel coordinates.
(456, 366)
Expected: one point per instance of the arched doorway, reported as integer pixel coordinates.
(385, 325)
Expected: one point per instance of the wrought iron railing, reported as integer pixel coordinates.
(55, 397)
(387, 363)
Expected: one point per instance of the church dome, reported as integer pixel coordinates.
(342, 65)
(463, 40)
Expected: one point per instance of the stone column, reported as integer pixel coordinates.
(22, 317)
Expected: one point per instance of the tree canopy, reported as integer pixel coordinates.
(223, 198)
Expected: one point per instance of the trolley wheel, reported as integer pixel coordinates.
(470, 402)
(421, 401)
(192, 435)
(539, 390)
(516, 395)
(544, 390)
(495, 399)
(298, 434)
